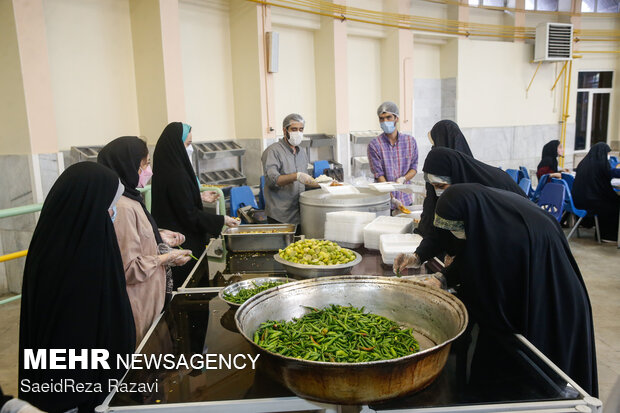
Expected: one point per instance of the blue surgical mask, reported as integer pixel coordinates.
(113, 217)
(388, 126)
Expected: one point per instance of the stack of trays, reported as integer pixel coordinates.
(391, 245)
(384, 225)
(346, 228)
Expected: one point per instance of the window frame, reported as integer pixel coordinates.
(590, 92)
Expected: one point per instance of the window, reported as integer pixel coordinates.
(600, 6)
(592, 114)
(493, 3)
(543, 5)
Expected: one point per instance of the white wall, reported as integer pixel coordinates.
(491, 84)
(207, 69)
(92, 71)
(364, 67)
(294, 84)
(426, 60)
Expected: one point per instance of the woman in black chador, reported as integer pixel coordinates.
(74, 294)
(517, 274)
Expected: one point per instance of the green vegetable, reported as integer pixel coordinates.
(316, 252)
(337, 334)
(243, 295)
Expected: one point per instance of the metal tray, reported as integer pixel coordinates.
(242, 285)
(240, 239)
(313, 271)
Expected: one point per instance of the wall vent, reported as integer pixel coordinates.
(554, 42)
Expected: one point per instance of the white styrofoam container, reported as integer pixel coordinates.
(347, 226)
(391, 245)
(384, 225)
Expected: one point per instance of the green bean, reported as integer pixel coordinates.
(337, 334)
(243, 295)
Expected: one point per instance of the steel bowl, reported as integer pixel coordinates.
(436, 317)
(242, 285)
(313, 271)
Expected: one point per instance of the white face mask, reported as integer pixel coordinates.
(439, 191)
(190, 151)
(294, 138)
(459, 234)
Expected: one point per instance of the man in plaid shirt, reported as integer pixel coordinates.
(393, 156)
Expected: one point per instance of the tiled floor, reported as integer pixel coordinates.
(599, 264)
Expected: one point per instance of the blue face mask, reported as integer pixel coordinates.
(113, 217)
(388, 126)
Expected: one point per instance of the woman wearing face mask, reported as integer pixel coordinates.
(177, 203)
(445, 134)
(549, 160)
(74, 294)
(517, 275)
(138, 235)
(593, 192)
(444, 167)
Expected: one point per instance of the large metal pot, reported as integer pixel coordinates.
(314, 205)
(436, 317)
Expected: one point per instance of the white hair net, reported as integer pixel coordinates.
(293, 117)
(388, 107)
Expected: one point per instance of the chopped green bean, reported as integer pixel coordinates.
(337, 334)
(243, 295)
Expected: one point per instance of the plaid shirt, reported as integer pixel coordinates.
(393, 161)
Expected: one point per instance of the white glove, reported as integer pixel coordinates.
(305, 179)
(396, 203)
(209, 196)
(175, 258)
(231, 222)
(174, 239)
(403, 261)
(401, 180)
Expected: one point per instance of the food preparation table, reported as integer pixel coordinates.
(485, 372)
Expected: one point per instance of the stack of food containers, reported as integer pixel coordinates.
(347, 227)
(384, 225)
(391, 245)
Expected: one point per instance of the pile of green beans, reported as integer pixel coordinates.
(243, 295)
(337, 334)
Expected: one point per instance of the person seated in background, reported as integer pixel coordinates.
(74, 294)
(138, 235)
(549, 160)
(393, 156)
(593, 192)
(444, 167)
(177, 202)
(444, 134)
(285, 166)
(517, 275)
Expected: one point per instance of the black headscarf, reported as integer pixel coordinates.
(518, 274)
(462, 168)
(447, 134)
(176, 197)
(74, 294)
(549, 156)
(593, 180)
(123, 155)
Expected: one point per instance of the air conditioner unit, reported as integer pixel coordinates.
(554, 42)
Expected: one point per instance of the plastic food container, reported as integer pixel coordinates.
(391, 245)
(385, 225)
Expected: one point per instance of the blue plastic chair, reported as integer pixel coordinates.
(541, 184)
(241, 196)
(319, 167)
(526, 185)
(569, 179)
(570, 207)
(552, 200)
(613, 161)
(261, 195)
(525, 173)
(514, 174)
